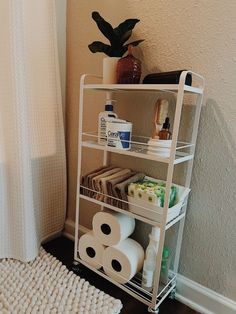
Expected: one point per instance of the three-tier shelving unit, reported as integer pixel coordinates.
(180, 152)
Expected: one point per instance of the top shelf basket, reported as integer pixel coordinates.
(197, 87)
(173, 88)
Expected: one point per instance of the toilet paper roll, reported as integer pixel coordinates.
(110, 228)
(90, 250)
(121, 262)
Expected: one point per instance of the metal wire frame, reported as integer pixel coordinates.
(179, 90)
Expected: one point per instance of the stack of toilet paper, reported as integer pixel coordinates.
(108, 245)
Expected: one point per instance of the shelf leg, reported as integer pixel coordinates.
(81, 105)
(172, 294)
(188, 180)
(155, 311)
(170, 170)
(76, 267)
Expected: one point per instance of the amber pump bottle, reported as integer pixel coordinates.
(165, 134)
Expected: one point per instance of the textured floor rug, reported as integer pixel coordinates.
(46, 286)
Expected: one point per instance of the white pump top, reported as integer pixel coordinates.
(155, 234)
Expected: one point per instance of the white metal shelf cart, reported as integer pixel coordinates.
(180, 152)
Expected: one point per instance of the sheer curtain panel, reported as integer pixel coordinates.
(32, 148)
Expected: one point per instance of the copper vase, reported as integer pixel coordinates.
(128, 69)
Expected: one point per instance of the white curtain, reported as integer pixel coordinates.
(32, 149)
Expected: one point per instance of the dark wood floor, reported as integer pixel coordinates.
(62, 248)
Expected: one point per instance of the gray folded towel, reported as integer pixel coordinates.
(86, 180)
(112, 182)
(95, 180)
(110, 185)
(121, 190)
(102, 183)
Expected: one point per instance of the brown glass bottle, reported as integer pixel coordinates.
(165, 134)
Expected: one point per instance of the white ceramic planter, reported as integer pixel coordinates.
(109, 70)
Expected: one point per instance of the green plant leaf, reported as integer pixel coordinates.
(98, 46)
(118, 51)
(117, 37)
(124, 29)
(134, 43)
(125, 37)
(105, 28)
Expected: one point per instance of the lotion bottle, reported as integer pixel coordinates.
(103, 117)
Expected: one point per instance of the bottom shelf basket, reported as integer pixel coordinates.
(134, 288)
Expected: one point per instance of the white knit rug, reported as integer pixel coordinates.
(46, 286)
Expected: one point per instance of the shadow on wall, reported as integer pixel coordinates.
(213, 114)
(210, 227)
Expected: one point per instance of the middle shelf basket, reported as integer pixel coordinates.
(137, 195)
(139, 148)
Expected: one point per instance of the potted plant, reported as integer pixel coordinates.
(117, 46)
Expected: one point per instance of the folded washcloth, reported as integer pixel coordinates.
(103, 182)
(109, 181)
(112, 183)
(95, 180)
(121, 189)
(86, 180)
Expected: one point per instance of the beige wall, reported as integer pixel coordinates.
(61, 6)
(198, 35)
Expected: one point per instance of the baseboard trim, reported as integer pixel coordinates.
(51, 236)
(69, 229)
(202, 299)
(189, 292)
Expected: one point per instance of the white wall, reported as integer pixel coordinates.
(198, 35)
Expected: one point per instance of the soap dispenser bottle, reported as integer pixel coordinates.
(149, 266)
(103, 118)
